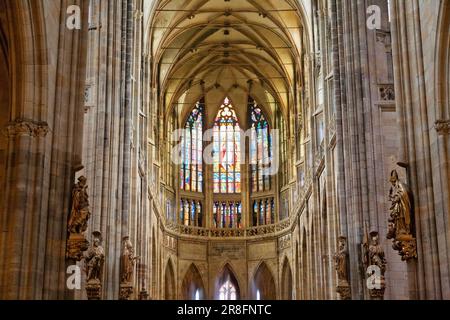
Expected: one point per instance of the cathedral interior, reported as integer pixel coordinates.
(224, 150)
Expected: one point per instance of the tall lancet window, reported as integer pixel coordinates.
(191, 175)
(260, 148)
(227, 151)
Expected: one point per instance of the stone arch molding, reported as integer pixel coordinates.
(442, 68)
(28, 57)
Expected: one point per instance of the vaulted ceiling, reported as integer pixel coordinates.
(218, 48)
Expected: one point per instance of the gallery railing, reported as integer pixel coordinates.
(250, 232)
(265, 230)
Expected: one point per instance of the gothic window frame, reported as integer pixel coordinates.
(227, 176)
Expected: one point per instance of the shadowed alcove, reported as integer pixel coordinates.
(263, 284)
(192, 286)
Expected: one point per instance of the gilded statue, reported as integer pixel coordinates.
(80, 214)
(400, 220)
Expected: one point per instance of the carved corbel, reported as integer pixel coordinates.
(442, 127)
(24, 127)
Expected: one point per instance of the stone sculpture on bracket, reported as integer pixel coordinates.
(94, 261)
(127, 264)
(78, 221)
(374, 263)
(341, 264)
(400, 220)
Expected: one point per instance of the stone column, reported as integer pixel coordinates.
(48, 65)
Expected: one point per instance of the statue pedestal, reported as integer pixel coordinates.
(93, 290)
(143, 295)
(344, 291)
(76, 245)
(378, 293)
(126, 290)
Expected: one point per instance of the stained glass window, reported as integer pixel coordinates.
(260, 148)
(227, 291)
(263, 212)
(191, 175)
(226, 151)
(191, 213)
(227, 214)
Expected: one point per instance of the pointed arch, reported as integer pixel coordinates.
(192, 286)
(286, 281)
(169, 281)
(226, 281)
(263, 284)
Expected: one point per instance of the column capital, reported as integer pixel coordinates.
(25, 127)
(442, 127)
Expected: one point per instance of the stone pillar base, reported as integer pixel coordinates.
(344, 291)
(126, 290)
(143, 295)
(93, 290)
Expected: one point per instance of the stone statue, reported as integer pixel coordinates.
(78, 221)
(341, 259)
(128, 261)
(400, 220)
(376, 252)
(94, 260)
(80, 213)
(374, 263)
(341, 264)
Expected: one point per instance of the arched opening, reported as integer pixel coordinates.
(286, 282)
(263, 284)
(227, 286)
(169, 282)
(192, 286)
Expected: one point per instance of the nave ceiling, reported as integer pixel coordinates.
(226, 48)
